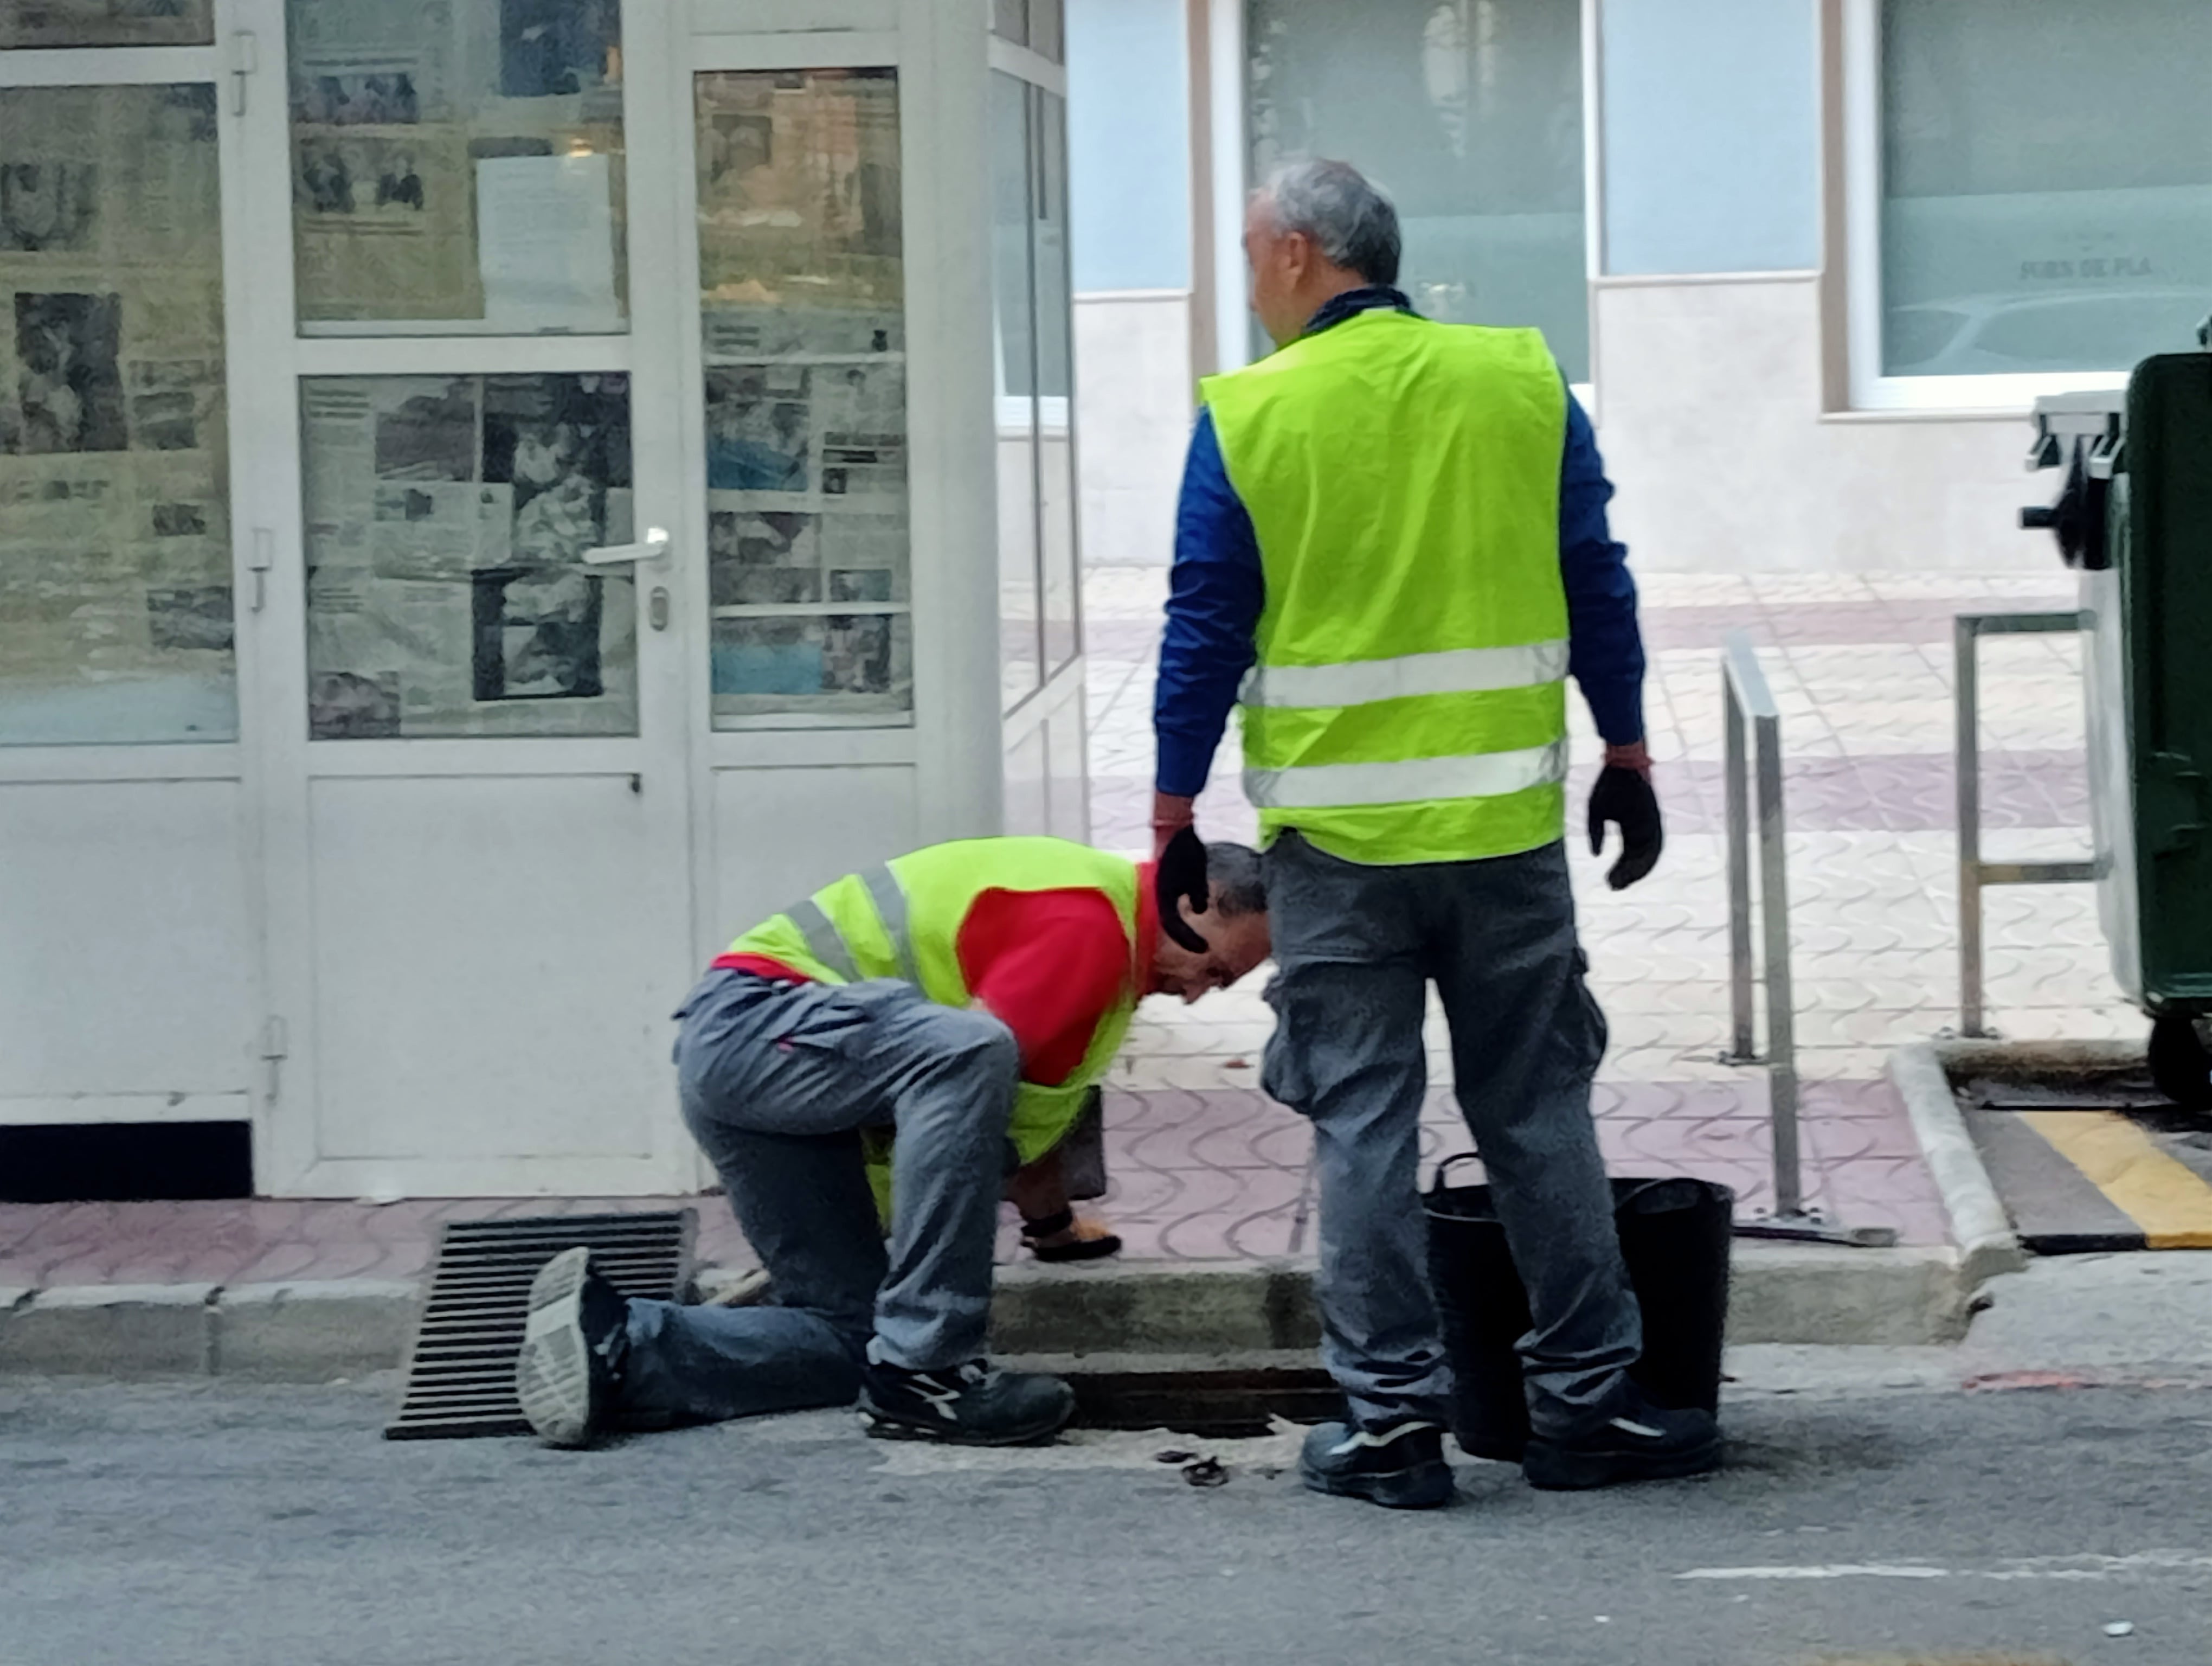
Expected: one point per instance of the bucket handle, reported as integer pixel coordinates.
(1437, 1180)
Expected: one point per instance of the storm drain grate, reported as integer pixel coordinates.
(461, 1361)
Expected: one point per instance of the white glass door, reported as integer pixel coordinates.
(477, 799)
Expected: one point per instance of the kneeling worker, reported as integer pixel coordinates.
(944, 1014)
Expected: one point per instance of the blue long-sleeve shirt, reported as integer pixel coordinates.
(1216, 592)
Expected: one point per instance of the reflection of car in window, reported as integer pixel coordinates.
(2007, 334)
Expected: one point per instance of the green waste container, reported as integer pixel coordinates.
(2135, 518)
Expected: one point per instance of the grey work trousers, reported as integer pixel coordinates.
(777, 1079)
(1356, 947)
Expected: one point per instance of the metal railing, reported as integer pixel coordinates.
(1974, 873)
(1752, 739)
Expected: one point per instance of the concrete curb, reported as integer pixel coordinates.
(2051, 1058)
(1979, 1225)
(1830, 1295)
(284, 1333)
(1144, 1308)
(113, 1330)
(313, 1331)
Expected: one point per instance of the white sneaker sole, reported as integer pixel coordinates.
(553, 1373)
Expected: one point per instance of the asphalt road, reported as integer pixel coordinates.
(173, 1526)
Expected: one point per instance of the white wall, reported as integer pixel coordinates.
(1128, 144)
(1709, 412)
(1134, 406)
(1709, 415)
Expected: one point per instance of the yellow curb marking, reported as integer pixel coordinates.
(2167, 1199)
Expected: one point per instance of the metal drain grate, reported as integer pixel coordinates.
(461, 1361)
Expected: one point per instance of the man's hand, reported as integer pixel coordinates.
(1623, 796)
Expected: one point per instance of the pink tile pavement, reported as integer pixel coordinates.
(1196, 1175)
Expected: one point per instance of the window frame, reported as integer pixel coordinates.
(1868, 388)
(1228, 141)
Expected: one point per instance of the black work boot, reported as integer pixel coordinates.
(968, 1405)
(570, 1367)
(1640, 1442)
(1399, 1466)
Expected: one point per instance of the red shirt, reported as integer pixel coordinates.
(1048, 964)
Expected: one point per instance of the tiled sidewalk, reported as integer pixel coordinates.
(1862, 670)
(1205, 1167)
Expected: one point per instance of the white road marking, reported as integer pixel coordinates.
(1822, 1570)
(2187, 1563)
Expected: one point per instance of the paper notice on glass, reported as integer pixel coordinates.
(545, 243)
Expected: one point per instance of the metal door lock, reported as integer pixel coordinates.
(656, 607)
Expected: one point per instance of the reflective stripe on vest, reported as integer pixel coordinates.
(829, 945)
(890, 898)
(1363, 681)
(823, 938)
(1476, 775)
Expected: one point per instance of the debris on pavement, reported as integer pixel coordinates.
(1205, 1472)
(1261, 1456)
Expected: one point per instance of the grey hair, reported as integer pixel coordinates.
(1350, 218)
(1238, 882)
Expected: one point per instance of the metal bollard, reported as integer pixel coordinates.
(1749, 706)
(1968, 630)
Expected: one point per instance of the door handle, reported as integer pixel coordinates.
(652, 548)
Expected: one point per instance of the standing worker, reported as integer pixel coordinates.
(924, 1030)
(1398, 527)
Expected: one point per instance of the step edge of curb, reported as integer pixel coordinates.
(316, 1302)
(1980, 1225)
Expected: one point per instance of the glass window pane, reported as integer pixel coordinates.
(1021, 665)
(1009, 21)
(1055, 325)
(1470, 112)
(802, 298)
(446, 522)
(2046, 184)
(55, 23)
(457, 167)
(1048, 29)
(115, 550)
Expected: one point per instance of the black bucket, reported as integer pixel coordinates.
(1675, 1237)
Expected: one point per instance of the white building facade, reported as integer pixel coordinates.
(1809, 261)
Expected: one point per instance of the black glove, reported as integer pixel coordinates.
(1625, 797)
(1180, 876)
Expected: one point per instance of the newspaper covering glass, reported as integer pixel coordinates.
(447, 523)
(115, 557)
(457, 165)
(801, 288)
(57, 23)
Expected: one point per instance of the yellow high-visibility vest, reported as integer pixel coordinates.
(903, 920)
(1408, 703)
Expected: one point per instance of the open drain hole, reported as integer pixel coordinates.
(1231, 1404)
